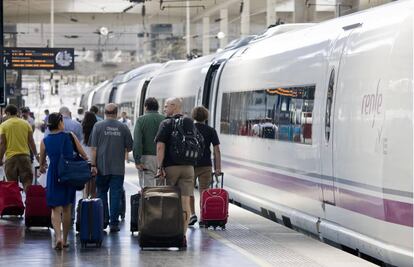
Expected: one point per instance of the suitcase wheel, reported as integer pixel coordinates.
(99, 244)
(83, 245)
(223, 227)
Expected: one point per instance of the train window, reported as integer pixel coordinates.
(280, 113)
(329, 98)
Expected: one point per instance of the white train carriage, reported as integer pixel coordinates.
(101, 95)
(128, 88)
(86, 100)
(339, 163)
(316, 125)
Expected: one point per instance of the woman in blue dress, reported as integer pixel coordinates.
(59, 196)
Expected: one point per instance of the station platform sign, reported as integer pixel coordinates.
(30, 58)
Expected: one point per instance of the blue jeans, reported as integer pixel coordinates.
(115, 184)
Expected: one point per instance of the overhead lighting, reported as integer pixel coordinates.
(103, 31)
(221, 35)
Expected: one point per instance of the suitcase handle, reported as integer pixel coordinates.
(36, 169)
(213, 174)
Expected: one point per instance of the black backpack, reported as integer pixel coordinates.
(186, 143)
(268, 132)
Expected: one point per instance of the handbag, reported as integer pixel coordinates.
(74, 171)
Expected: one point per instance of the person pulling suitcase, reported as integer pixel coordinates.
(179, 145)
(110, 139)
(203, 166)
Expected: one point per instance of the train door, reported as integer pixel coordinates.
(209, 94)
(112, 94)
(328, 145)
(142, 97)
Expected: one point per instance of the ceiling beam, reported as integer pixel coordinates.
(214, 10)
(95, 19)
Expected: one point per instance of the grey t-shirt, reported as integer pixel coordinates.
(111, 138)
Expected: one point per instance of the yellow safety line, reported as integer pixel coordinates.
(230, 244)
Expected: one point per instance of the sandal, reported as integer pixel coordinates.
(59, 245)
(66, 245)
(184, 244)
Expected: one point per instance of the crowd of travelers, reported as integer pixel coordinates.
(104, 142)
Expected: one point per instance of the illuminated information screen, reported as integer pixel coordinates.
(29, 58)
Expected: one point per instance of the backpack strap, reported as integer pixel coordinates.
(179, 125)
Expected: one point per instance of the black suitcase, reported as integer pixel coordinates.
(135, 199)
(78, 215)
(122, 207)
(161, 217)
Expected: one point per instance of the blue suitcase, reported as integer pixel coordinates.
(91, 222)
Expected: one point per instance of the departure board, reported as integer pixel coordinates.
(29, 58)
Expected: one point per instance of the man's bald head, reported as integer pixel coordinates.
(173, 106)
(65, 111)
(111, 110)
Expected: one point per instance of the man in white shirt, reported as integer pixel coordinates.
(124, 119)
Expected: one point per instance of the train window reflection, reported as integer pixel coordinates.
(280, 114)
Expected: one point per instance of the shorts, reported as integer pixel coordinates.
(19, 166)
(204, 177)
(181, 176)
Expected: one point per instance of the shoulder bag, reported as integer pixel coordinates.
(74, 171)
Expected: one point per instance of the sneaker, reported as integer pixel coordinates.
(193, 220)
(114, 228)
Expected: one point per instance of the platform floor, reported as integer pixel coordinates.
(249, 240)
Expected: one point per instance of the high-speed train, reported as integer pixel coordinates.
(316, 126)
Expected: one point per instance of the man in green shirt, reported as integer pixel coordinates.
(146, 128)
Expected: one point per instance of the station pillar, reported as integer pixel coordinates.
(270, 12)
(206, 37)
(224, 26)
(299, 12)
(245, 19)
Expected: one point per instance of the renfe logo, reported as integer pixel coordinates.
(371, 104)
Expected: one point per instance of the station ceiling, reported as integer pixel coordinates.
(72, 11)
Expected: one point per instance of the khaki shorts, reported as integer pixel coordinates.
(19, 166)
(204, 177)
(183, 177)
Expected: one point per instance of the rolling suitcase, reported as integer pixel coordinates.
(161, 217)
(90, 193)
(37, 212)
(91, 226)
(135, 199)
(215, 206)
(11, 202)
(122, 207)
(78, 215)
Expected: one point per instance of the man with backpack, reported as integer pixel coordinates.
(178, 148)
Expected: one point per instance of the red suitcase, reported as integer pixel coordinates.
(37, 214)
(215, 206)
(10, 199)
